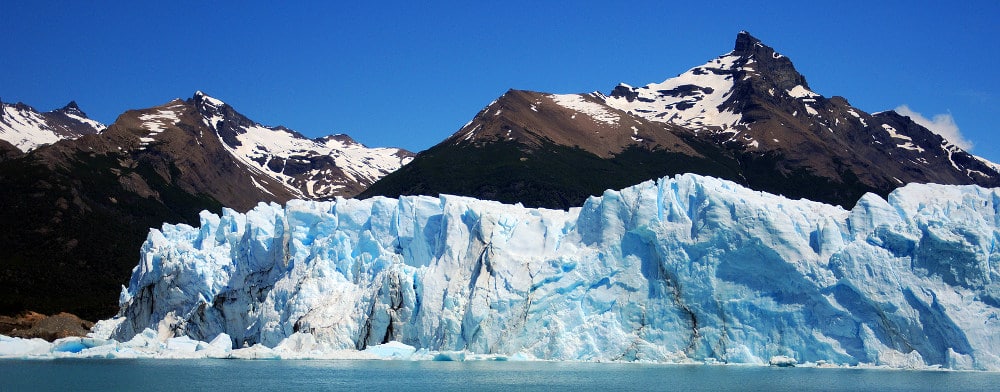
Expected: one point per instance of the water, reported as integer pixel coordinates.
(221, 375)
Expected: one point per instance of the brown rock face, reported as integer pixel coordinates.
(30, 325)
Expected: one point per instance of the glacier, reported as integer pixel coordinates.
(682, 269)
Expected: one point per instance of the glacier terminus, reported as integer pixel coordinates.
(682, 269)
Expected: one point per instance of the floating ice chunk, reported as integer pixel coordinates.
(222, 342)
(392, 350)
(258, 351)
(18, 347)
(450, 356)
(782, 361)
(184, 344)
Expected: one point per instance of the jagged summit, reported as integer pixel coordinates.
(73, 108)
(340, 137)
(713, 96)
(746, 43)
(764, 60)
(26, 128)
(320, 168)
(205, 99)
(747, 115)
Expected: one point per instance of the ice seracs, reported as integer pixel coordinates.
(682, 269)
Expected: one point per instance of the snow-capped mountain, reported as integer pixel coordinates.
(549, 150)
(85, 204)
(747, 116)
(754, 99)
(682, 269)
(27, 129)
(312, 168)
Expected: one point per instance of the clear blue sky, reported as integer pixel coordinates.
(409, 74)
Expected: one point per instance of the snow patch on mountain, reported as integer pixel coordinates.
(25, 129)
(801, 92)
(580, 103)
(91, 123)
(161, 120)
(907, 141)
(288, 157)
(259, 145)
(691, 99)
(682, 269)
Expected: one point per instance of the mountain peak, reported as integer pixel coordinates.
(340, 137)
(746, 43)
(749, 46)
(767, 61)
(201, 98)
(72, 108)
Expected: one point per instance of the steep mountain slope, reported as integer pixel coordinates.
(26, 128)
(313, 169)
(76, 211)
(549, 150)
(747, 116)
(754, 100)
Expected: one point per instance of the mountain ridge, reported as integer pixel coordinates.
(747, 116)
(27, 129)
(78, 209)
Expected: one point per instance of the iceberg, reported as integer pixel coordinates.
(684, 269)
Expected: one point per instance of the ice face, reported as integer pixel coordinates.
(682, 269)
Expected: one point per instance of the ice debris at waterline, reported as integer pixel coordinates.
(151, 344)
(683, 269)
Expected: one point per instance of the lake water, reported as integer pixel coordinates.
(218, 375)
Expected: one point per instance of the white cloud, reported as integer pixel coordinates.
(941, 124)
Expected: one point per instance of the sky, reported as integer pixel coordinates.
(409, 74)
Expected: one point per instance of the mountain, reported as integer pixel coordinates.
(549, 150)
(746, 116)
(310, 168)
(26, 129)
(76, 211)
(682, 269)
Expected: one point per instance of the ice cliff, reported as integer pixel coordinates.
(682, 269)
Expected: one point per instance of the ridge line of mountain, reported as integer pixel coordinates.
(747, 116)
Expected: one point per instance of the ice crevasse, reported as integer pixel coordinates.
(682, 269)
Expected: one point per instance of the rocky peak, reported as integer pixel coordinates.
(764, 61)
(227, 121)
(73, 109)
(340, 137)
(23, 107)
(716, 95)
(748, 44)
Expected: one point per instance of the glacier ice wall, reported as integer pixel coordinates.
(684, 268)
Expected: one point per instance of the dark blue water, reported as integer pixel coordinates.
(225, 375)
